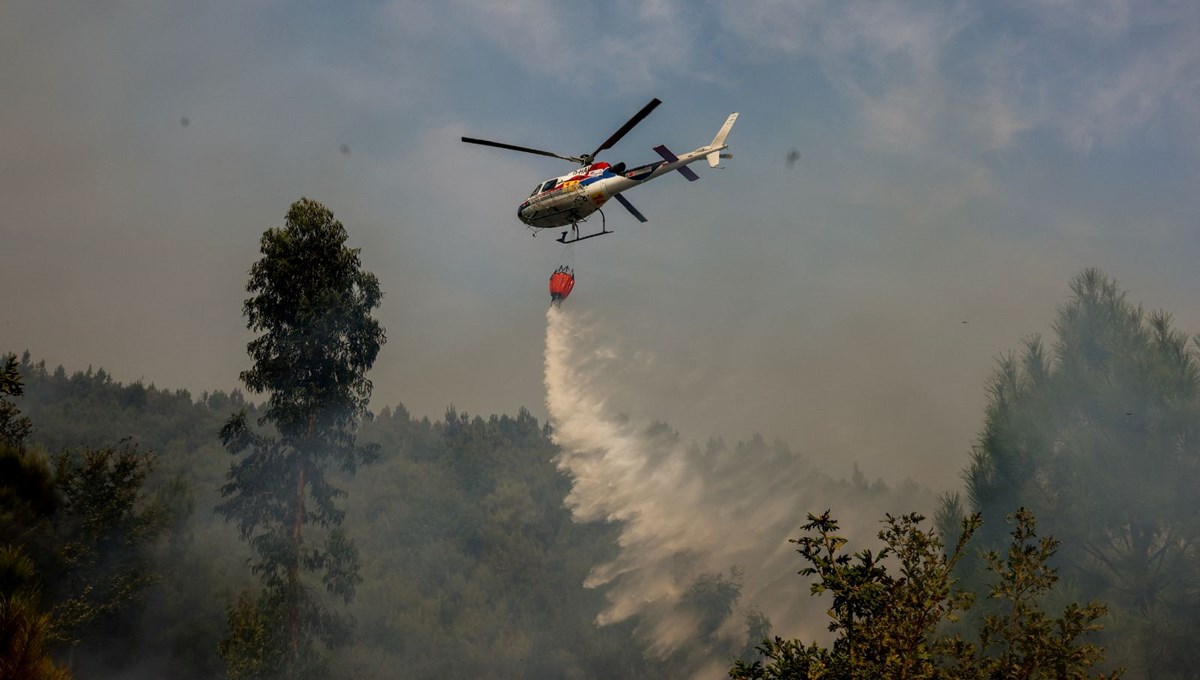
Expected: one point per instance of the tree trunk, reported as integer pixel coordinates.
(294, 572)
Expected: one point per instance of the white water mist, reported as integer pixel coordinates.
(686, 510)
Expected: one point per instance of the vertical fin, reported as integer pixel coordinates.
(718, 142)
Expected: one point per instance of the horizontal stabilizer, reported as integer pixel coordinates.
(669, 157)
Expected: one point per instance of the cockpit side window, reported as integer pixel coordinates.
(549, 185)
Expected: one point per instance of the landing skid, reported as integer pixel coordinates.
(575, 231)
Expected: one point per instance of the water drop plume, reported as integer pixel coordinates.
(689, 515)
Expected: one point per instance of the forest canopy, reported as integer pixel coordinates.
(114, 562)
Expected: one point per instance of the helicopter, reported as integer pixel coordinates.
(570, 199)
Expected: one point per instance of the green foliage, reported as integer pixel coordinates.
(88, 409)
(1023, 640)
(28, 495)
(73, 545)
(105, 523)
(14, 428)
(255, 648)
(758, 629)
(27, 499)
(25, 630)
(174, 628)
(884, 624)
(471, 564)
(1099, 437)
(24, 646)
(311, 304)
(711, 599)
(890, 611)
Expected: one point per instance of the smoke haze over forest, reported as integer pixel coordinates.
(776, 338)
(960, 163)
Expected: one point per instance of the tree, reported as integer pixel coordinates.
(27, 494)
(1025, 642)
(14, 428)
(310, 301)
(25, 630)
(884, 625)
(1099, 435)
(73, 545)
(711, 599)
(27, 498)
(892, 625)
(101, 533)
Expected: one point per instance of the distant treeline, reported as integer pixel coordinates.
(471, 564)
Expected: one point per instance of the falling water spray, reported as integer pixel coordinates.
(687, 512)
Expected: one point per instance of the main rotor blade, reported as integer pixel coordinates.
(513, 147)
(616, 136)
(629, 206)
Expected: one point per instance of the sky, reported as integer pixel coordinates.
(960, 162)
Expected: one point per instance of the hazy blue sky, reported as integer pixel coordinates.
(961, 161)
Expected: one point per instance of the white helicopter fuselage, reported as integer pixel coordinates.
(572, 198)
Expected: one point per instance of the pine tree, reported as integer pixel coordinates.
(1099, 435)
